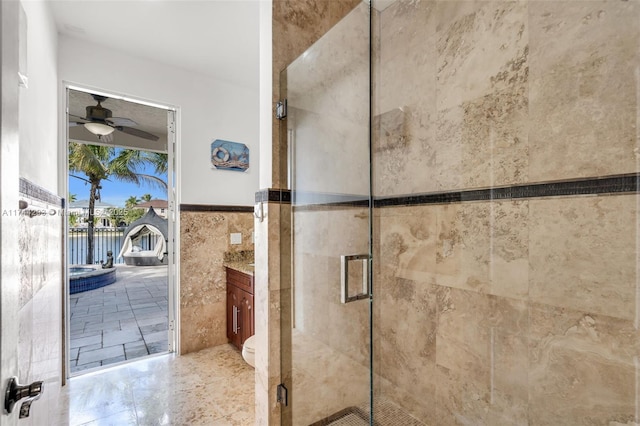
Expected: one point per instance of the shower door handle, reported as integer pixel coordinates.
(344, 278)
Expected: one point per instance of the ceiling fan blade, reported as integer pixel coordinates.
(137, 132)
(121, 121)
(77, 119)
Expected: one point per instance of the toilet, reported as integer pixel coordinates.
(249, 351)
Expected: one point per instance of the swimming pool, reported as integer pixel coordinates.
(85, 278)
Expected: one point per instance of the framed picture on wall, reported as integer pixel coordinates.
(227, 155)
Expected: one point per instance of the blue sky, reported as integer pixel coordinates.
(116, 192)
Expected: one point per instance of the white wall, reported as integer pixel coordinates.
(266, 94)
(39, 103)
(209, 109)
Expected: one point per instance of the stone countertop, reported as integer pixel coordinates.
(245, 267)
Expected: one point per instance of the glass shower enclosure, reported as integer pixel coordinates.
(327, 130)
(468, 171)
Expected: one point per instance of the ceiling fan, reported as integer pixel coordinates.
(100, 122)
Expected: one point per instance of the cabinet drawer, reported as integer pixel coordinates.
(240, 280)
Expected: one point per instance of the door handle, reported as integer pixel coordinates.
(235, 319)
(344, 278)
(238, 318)
(16, 392)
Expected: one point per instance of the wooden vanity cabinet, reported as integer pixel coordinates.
(240, 312)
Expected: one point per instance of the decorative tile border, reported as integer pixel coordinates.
(36, 192)
(627, 183)
(594, 186)
(215, 208)
(273, 196)
(324, 199)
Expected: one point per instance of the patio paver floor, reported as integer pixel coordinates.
(121, 321)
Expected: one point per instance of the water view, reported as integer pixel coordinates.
(104, 240)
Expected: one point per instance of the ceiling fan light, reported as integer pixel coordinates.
(99, 129)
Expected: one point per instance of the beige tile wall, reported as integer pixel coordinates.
(271, 314)
(528, 313)
(204, 238)
(583, 88)
(297, 24)
(498, 93)
(507, 312)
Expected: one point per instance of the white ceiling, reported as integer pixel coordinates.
(218, 38)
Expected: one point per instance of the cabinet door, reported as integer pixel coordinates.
(246, 315)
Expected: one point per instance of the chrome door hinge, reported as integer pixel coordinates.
(171, 118)
(281, 109)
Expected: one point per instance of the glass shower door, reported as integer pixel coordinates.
(327, 131)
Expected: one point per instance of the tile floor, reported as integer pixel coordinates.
(210, 387)
(121, 321)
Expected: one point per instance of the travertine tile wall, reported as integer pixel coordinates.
(497, 312)
(503, 93)
(40, 312)
(204, 238)
(506, 312)
(297, 24)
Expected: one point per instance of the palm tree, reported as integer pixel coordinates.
(146, 197)
(131, 201)
(100, 163)
(72, 198)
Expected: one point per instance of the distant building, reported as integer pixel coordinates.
(80, 208)
(160, 207)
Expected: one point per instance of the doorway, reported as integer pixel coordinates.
(120, 244)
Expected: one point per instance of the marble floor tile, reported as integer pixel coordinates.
(211, 387)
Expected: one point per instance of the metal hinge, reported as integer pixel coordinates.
(281, 109)
(282, 394)
(172, 120)
(171, 325)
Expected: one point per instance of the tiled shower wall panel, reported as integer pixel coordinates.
(506, 311)
(296, 26)
(471, 95)
(205, 237)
